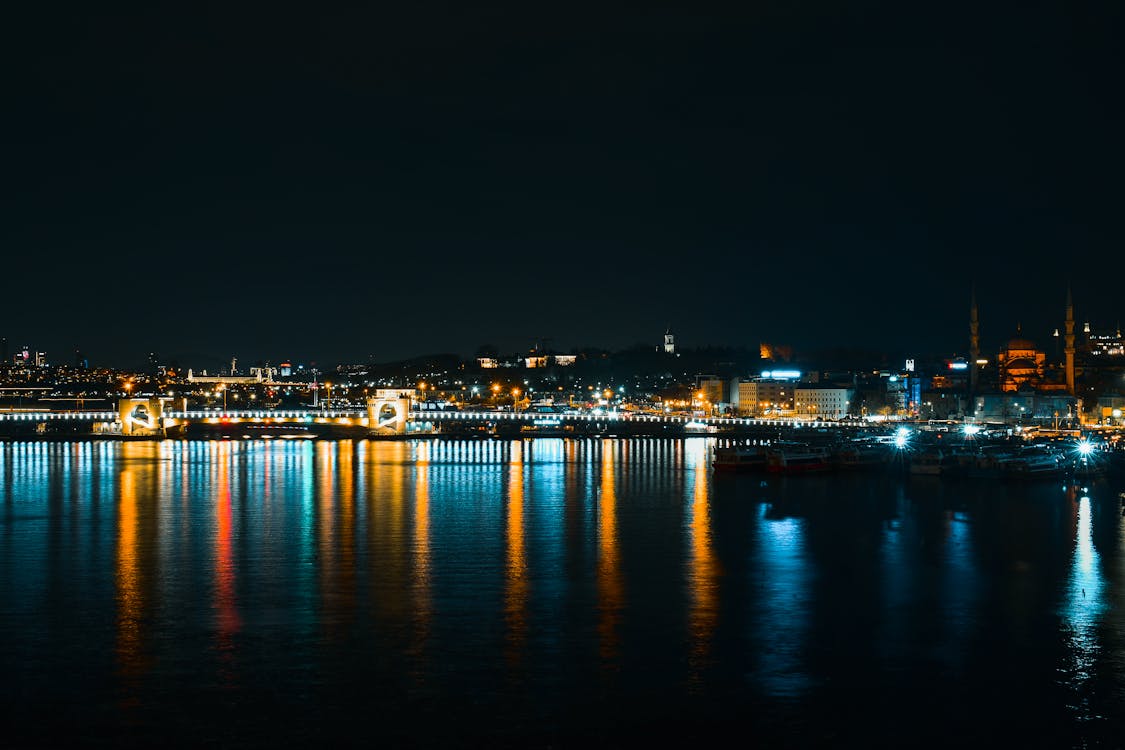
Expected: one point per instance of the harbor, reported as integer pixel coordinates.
(914, 452)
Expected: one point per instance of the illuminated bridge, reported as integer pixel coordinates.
(141, 417)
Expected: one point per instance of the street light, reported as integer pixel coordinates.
(221, 387)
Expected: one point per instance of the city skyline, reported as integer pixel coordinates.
(998, 324)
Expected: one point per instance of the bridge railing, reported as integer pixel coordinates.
(426, 415)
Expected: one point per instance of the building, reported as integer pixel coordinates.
(713, 392)
(764, 397)
(824, 402)
(1026, 407)
(1021, 363)
(669, 342)
(1106, 344)
(257, 377)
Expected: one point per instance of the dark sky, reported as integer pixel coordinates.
(314, 184)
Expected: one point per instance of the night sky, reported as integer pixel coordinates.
(296, 182)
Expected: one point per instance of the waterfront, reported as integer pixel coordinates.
(551, 592)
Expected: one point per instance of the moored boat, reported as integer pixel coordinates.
(798, 459)
(862, 455)
(1033, 462)
(989, 462)
(740, 458)
(927, 463)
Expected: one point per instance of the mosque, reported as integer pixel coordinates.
(1029, 386)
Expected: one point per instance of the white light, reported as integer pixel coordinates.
(1085, 448)
(781, 374)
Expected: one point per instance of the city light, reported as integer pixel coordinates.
(902, 437)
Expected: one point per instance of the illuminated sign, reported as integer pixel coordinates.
(910, 365)
(781, 374)
(958, 365)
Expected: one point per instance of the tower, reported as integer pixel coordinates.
(1068, 339)
(974, 344)
(669, 341)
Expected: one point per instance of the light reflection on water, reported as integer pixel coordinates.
(702, 568)
(784, 575)
(1083, 607)
(564, 585)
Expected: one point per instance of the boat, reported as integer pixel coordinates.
(862, 455)
(959, 461)
(741, 458)
(1034, 461)
(989, 462)
(798, 458)
(927, 463)
(1088, 467)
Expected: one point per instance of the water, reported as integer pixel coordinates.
(547, 593)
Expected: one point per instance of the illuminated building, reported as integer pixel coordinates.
(1106, 344)
(1020, 363)
(715, 391)
(827, 402)
(764, 397)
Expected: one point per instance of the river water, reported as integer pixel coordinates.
(544, 593)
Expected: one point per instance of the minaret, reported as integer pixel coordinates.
(1069, 342)
(974, 345)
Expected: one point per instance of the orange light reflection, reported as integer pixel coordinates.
(610, 587)
(516, 590)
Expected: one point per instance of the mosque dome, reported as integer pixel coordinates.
(1020, 344)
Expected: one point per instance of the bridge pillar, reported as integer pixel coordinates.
(141, 416)
(389, 410)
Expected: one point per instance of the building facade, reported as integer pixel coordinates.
(824, 402)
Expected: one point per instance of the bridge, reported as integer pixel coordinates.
(149, 418)
(391, 412)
